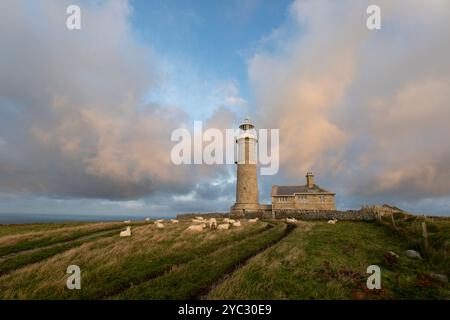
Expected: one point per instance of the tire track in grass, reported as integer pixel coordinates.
(20, 259)
(203, 294)
(192, 279)
(23, 228)
(29, 244)
(123, 276)
(177, 260)
(85, 237)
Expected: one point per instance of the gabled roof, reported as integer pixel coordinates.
(291, 190)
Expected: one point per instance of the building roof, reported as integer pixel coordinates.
(291, 190)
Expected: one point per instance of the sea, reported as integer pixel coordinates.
(23, 218)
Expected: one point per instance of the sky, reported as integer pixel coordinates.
(86, 115)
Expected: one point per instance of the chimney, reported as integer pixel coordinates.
(310, 180)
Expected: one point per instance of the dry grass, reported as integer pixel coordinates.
(15, 229)
(23, 241)
(112, 264)
(189, 280)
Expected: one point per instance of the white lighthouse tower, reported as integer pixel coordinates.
(247, 180)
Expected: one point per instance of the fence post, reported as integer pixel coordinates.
(393, 221)
(425, 235)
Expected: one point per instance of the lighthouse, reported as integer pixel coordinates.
(247, 180)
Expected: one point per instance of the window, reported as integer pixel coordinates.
(322, 199)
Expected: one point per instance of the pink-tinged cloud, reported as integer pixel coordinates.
(368, 111)
(73, 123)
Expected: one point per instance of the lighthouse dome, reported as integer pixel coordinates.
(247, 130)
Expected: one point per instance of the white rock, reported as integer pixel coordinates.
(173, 220)
(413, 254)
(159, 225)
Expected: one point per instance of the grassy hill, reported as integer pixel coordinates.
(264, 260)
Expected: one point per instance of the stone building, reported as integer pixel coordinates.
(284, 198)
(304, 197)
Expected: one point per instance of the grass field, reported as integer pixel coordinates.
(264, 260)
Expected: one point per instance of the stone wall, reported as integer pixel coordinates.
(250, 214)
(383, 210)
(205, 215)
(365, 214)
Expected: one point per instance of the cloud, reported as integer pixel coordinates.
(76, 126)
(368, 111)
(72, 119)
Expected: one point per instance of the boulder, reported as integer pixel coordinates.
(413, 254)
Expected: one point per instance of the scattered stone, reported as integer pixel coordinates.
(413, 254)
(438, 277)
